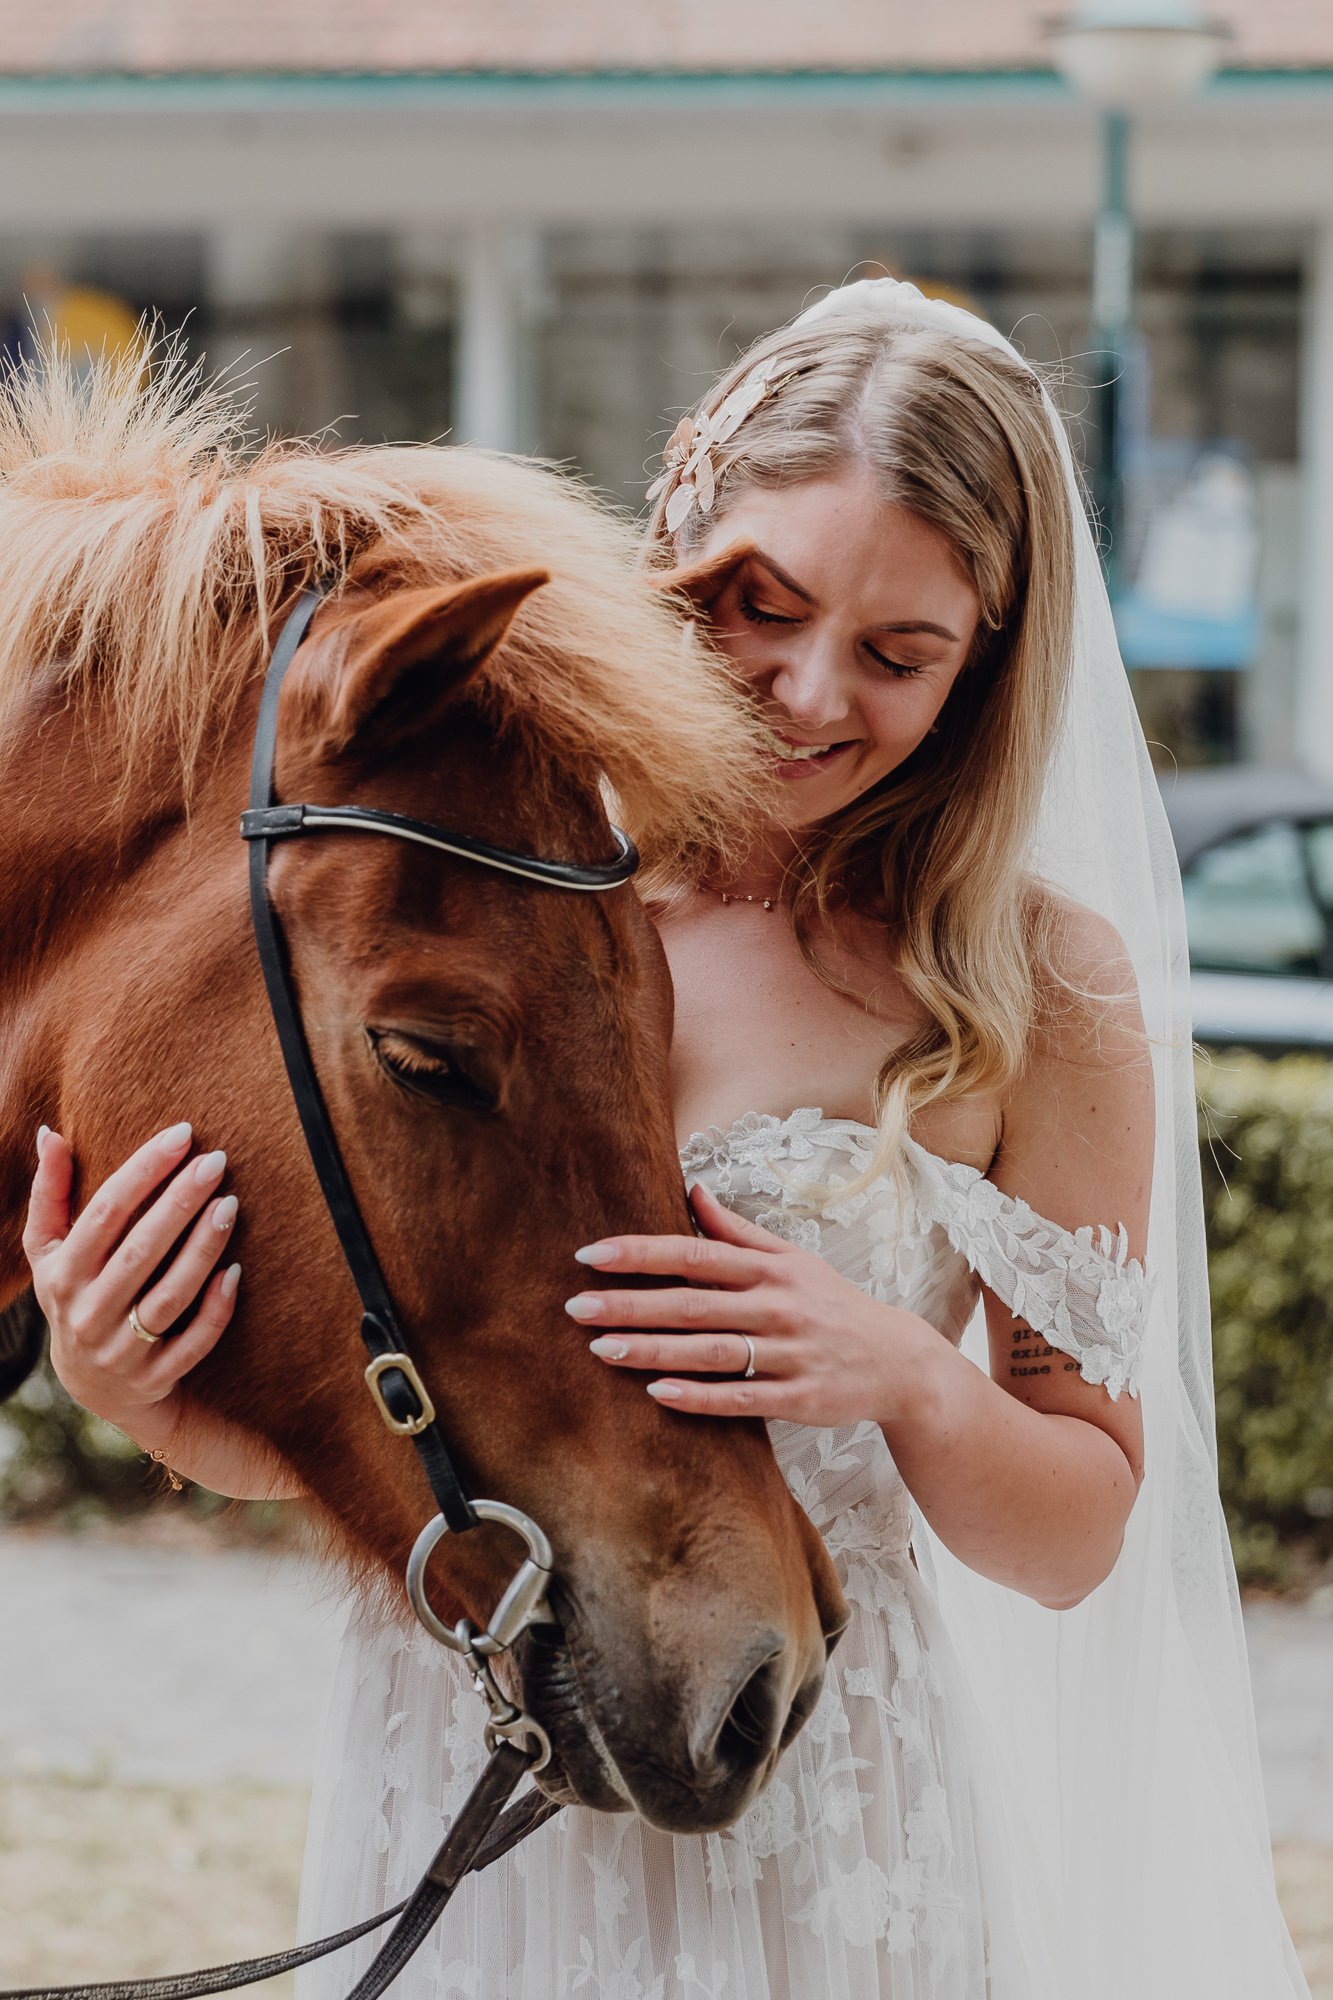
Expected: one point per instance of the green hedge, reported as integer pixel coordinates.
(60, 1464)
(57, 1460)
(1266, 1134)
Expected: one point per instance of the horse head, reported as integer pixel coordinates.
(493, 1052)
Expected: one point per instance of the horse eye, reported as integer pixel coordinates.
(429, 1069)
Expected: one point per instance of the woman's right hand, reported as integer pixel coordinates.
(89, 1273)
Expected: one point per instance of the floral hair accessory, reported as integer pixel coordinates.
(688, 471)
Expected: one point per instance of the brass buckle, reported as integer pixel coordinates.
(400, 1426)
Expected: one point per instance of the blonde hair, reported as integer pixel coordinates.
(151, 549)
(959, 435)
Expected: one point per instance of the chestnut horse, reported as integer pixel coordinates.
(493, 1052)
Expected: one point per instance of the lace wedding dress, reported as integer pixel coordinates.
(879, 1863)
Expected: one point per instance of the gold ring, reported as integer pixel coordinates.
(138, 1329)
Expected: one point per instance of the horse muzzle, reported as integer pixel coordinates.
(686, 1745)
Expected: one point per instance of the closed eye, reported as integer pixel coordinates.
(898, 668)
(750, 610)
(445, 1074)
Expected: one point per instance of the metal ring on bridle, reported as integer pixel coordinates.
(523, 1603)
(749, 1366)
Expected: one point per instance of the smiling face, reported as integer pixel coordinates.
(851, 621)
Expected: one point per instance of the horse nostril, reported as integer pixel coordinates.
(833, 1631)
(754, 1722)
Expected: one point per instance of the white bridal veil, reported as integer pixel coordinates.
(1124, 1728)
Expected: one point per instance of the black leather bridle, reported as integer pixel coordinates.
(392, 1376)
(482, 1831)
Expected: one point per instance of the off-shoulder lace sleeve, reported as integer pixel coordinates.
(1080, 1289)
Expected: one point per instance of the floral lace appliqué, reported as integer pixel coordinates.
(1079, 1289)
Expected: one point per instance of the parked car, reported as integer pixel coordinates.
(1256, 858)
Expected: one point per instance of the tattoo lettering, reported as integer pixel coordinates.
(1031, 1355)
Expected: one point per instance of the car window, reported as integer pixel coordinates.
(1319, 848)
(1248, 905)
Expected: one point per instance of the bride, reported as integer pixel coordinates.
(932, 1078)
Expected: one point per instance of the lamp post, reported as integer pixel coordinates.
(1125, 55)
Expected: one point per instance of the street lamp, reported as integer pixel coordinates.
(1125, 55)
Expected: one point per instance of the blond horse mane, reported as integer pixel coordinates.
(151, 546)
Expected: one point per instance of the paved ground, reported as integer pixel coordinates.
(161, 1666)
(157, 1666)
(1291, 1661)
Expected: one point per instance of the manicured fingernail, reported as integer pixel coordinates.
(665, 1392)
(224, 1214)
(584, 1307)
(595, 1253)
(43, 1134)
(610, 1350)
(209, 1168)
(231, 1278)
(175, 1135)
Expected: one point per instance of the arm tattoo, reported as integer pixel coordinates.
(1030, 1354)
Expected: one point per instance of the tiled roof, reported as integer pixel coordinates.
(165, 37)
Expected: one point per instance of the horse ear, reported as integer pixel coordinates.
(704, 581)
(440, 636)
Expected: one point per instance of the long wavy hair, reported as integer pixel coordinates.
(960, 436)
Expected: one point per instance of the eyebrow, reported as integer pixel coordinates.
(901, 625)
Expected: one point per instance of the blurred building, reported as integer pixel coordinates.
(546, 226)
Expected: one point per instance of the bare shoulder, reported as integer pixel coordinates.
(1088, 1010)
(1078, 1122)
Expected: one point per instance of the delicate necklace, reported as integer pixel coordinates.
(726, 896)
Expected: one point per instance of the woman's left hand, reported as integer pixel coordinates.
(824, 1352)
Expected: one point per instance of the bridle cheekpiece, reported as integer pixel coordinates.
(392, 1376)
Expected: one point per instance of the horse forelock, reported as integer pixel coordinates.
(152, 547)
